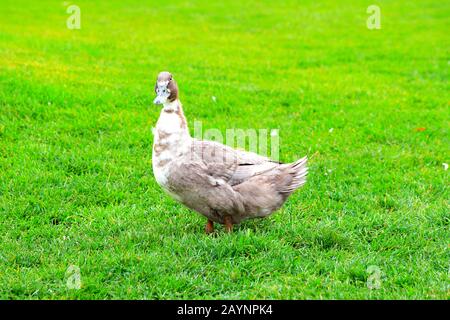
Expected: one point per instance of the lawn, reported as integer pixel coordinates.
(370, 108)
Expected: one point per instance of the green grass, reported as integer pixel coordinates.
(76, 184)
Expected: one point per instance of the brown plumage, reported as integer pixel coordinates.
(223, 184)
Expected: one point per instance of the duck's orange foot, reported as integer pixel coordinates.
(228, 224)
(209, 227)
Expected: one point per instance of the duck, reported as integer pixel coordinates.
(225, 185)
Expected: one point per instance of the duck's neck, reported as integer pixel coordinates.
(172, 119)
(171, 135)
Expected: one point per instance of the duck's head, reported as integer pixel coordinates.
(166, 88)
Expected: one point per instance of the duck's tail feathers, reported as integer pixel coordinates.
(297, 172)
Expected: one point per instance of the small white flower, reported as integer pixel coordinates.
(331, 130)
(214, 98)
(445, 166)
(49, 103)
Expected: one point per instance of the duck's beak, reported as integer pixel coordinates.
(162, 93)
(159, 100)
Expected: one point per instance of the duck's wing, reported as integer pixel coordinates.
(231, 165)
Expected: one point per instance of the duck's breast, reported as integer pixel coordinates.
(162, 175)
